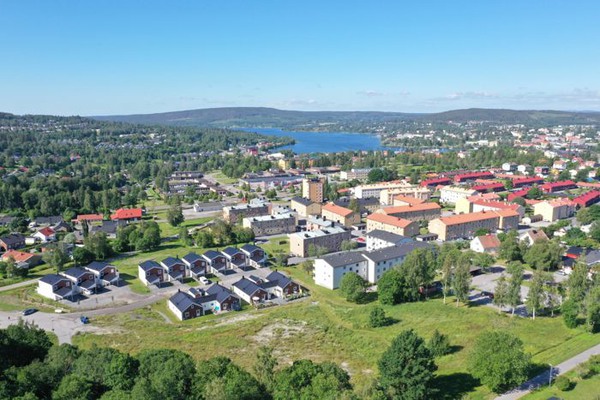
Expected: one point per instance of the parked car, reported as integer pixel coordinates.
(487, 294)
(84, 320)
(29, 311)
(203, 280)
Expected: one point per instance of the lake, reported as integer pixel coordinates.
(324, 142)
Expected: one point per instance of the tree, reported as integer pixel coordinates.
(377, 318)
(391, 288)
(56, 257)
(588, 215)
(184, 236)
(543, 254)
(439, 344)
(461, 279)
(592, 309)
(501, 293)
(348, 245)
(354, 205)
(74, 387)
(97, 244)
(264, 367)
(353, 287)
(534, 193)
(578, 283)
(220, 378)
(317, 251)
(406, 368)
(535, 298)
(204, 239)
(175, 215)
(148, 236)
(82, 256)
(483, 260)
(164, 374)
(107, 368)
(418, 270)
(308, 266)
(569, 311)
(305, 379)
(499, 361)
(509, 247)
(22, 343)
(513, 298)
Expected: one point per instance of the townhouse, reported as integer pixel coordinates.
(105, 273)
(587, 199)
(197, 302)
(255, 256)
(195, 265)
(554, 187)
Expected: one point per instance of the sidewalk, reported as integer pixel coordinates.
(18, 285)
(542, 379)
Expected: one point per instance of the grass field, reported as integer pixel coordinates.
(26, 297)
(326, 327)
(36, 272)
(221, 178)
(588, 389)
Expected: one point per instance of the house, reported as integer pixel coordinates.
(235, 257)
(22, 259)
(109, 228)
(84, 281)
(486, 244)
(533, 235)
(127, 214)
(216, 261)
(435, 182)
(249, 291)
(46, 221)
(62, 227)
(45, 235)
(7, 221)
(576, 254)
(280, 285)
(389, 223)
(378, 239)
(255, 256)
(489, 187)
(174, 268)
(305, 207)
(519, 181)
(184, 306)
(56, 287)
(12, 241)
(195, 264)
(88, 218)
(342, 215)
(555, 209)
(151, 273)
(105, 273)
(222, 299)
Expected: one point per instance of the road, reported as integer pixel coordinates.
(18, 285)
(543, 379)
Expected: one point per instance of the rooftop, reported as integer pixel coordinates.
(410, 208)
(389, 220)
(335, 209)
(387, 236)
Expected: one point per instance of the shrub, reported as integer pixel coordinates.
(378, 318)
(439, 344)
(594, 364)
(569, 312)
(563, 383)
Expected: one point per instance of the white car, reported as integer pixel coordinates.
(204, 281)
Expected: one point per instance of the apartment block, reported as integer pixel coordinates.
(553, 210)
(342, 215)
(312, 189)
(478, 203)
(392, 224)
(386, 196)
(266, 225)
(414, 212)
(465, 225)
(328, 238)
(305, 207)
(451, 194)
(375, 189)
(235, 214)
(360, 174)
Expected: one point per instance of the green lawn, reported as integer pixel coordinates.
(36, 272)
(326, 327)
(588, 389)
(221, 178)
(27, 297)
(167, 230)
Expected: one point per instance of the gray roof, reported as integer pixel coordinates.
(108, 227)
(49, 220)
(279, 278)
(182, 301)
(220, 292)
(392, 252)
(211, 254)
(75, 272)
(344, 258)
(231, 251)
(302, 200)
(249, 248)
(171, 261)
(247, 286)
(388, 236)
(6, 220)
(13, 238)
(97, 265)
(192, 258)
(148, 265)
(593, 257)
(52, 279)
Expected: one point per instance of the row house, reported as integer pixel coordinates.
(471, 176)
(78, 280)
(197, 302)
(519, 181)
(587, 199)
(253, 289)
(553, 187)
(435, 182)
(414, 212)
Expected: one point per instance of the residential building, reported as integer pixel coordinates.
(471, 176)
(105, 273)
(12, 241)
(477, 204)
(184, 306)
(151, 273)
(587, 199)
(22, 259)
(83, 281)
(378, 239)
(486, 244)
(392, 224)
(400, 187)
(360, 174)
(195, 265)
(327, 239)
(215, 261)
(127, 214)
(554, 187)
(520, 181)
(342, 215)
(312, 189)
(280, 285)
(88, 218)
(305, 207)
(509, 167)
(56, 287)
(533, 235)
(451, 194)
(46, 221)
(234, 214)
(235, 257)
(401, 200)
(489, 187)
(317, 223)
(249, 291)
(197, 302)
(109, 228)
(175, 269)
(435, 182)
(414, 212)
(555, 209)
(465, 225)
(266, 225)
(386, 197)
(255, 256)
(45, 235)
(370, 265)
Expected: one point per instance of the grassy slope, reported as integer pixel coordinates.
(326, 327)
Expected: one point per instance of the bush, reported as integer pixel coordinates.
(563, 383)
(378, 318)
(594, 364)
(569, 312)
(439, 344)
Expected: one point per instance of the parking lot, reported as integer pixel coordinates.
(109, 296)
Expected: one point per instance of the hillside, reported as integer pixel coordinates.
(235, 117)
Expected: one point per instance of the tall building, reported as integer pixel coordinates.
(312, 189)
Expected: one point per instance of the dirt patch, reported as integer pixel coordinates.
(284, 329)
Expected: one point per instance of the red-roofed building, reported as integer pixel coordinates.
(486, 244)
(519, 193)
(519, 182)
(553, 187)
(476, 204)
(339, 214)
(588, 185)
(489, 187)
(435, 182)
(587, 199)
(471, 176)
(89, 218)
(127, 214)
(45, 235)
(465, 225)
(23, 259)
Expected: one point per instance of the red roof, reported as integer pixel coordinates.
(435, 181)
(553, 186)
(18, 256)
(477, 216)
(409, 208)
(489, 241)
(587, 199)
(489, 187)
(473, 175)
(519, 181)
(47, 231)
(588, 184)
(389, 220)
(89, 217)
(518, 193)
(338, 210)
(493, 203)
(127, 213)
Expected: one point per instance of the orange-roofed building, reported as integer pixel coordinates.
(89, 218)
(475, 204)
(414, 212)
(400, 200)
(23, 259)
(389, 223)
(127, 214)
(465, 225)
(486, 244)
(339, 214)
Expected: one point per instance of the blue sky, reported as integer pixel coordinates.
(121, 57)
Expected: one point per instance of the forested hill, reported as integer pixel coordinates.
(234, 117)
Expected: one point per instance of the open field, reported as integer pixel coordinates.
(326, 327)
(36, 272)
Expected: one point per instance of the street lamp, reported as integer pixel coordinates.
(550, 376)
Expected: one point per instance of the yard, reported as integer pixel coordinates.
(326, 327)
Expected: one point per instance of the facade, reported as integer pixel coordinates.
(56, 287)
(234, 214)
(235, 257)
(451, 194)
(370, 265)
(378, 239)
(342, 215)
(465, 225)
(553, 210)
(105, 273)
(375, 189)
(434, 182)
(175, 269)
(312, 189)
(45, 235)
(360, 174)
(392, 224)
(215, 261)
(249, 291)
(12, 241)
(195, 265)
(330, 239)
(477, 204)
(255, 256)
(305, 207)
(414, 212)
(386, 196)
(587, 199)
(554, 187)
(471, 176)
(267, 225)
(485, 244)
(151, 273)
(83, 281)
(22, 259)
